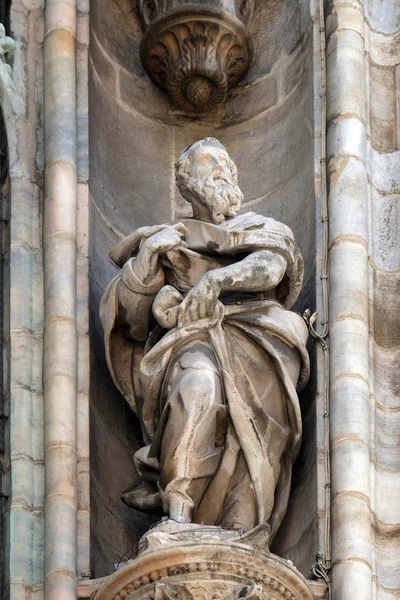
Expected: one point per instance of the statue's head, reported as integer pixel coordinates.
(207, 178)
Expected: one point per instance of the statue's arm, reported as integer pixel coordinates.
(260, 271)
(135, 299)
(141, 279)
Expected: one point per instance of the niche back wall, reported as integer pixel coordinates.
(135, 139)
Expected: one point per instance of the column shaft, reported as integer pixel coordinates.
(348, 302)
(60, 333)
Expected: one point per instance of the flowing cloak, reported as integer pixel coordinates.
(140, 372)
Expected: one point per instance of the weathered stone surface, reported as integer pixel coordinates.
(202, 568)
(387, 377)
(204, 463)
(383, 107)
(345, 87)
(386, 313)
(384, 170)
(386, 231)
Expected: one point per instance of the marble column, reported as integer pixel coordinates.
(348, 301)
(60, 328)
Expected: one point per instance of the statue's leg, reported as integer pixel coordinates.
(194, 432)
(239, 510)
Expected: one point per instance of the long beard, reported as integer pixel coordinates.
(222, 197)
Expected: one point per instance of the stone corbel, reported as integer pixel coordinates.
(196, 51)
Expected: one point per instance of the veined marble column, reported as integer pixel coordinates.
(348, 302)
(60, 333)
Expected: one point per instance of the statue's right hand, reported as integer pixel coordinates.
(165, 240)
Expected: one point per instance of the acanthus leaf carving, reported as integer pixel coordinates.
(196, 51)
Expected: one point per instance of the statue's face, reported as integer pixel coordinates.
(209, 161)
(211, 182)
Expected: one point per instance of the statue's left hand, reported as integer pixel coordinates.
(200, 302)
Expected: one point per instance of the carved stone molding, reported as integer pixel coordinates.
(206, 568)
(196, 51)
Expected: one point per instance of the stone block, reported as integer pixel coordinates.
(38, 554)
(349, 350)
(398, 100)
(350, 459)
(384, 169)
(384, 50)
(349, 576)
(345, 75)
(37, 432)
(387, 428)
(346, 137)
(82, 294)
(60, 283)
(105, 68)
(63, 429)
(347, 16)
(24, 208)
(349, 416)
(382, 84)
(63, 582)
(82, 219)
(60, 217)
(26, 288)
(248, 101)
(21, 538)
(347, 199)
(61, 15)
(387, 496)
(348, 282)
(138, 93)
(299, 63)
(386, 313)
(22, 469)
(22, 425)
(57, 481)
(83, 365)
(351, 522)
(83, 544)
(83, 484)
(386, 231)
(387, 377)
(26, 364)
(384, 18)
(386, 550)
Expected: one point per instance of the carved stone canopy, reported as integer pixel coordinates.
(196, 51)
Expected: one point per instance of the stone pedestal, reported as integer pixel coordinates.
(193, 562)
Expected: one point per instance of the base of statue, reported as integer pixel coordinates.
(197, 562)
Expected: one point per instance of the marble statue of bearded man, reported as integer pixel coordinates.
(200, 342)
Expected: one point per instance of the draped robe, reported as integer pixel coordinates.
(259, 349)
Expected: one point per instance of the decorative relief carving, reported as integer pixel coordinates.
(196, 51)
(210, 590)
(206, 570)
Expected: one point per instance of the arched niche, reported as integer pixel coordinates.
(135, 138)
